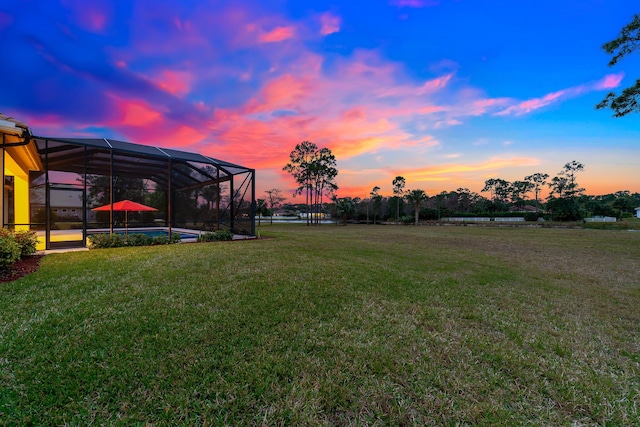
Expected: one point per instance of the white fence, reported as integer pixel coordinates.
(483, 219)
(600, 219)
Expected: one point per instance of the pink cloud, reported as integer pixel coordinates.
(330, 23)
(609, 81)
(414, 3)
(94, 16)
(140, 122)
(435, 84)
(174, 82)
(446, 123)
(278, 34)
(524, 107)
(534, 104)
(135, 113)
(431, 109)
(96, 20)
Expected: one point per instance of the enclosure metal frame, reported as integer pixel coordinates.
(153, 163)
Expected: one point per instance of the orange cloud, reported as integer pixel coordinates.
(432, 172)
(285, 92)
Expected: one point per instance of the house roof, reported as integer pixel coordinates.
(10, 122)
(15, 140)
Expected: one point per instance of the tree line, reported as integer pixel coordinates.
(566, 200)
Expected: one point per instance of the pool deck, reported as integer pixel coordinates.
(76, 235)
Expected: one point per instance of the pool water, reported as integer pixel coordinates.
(155, 233)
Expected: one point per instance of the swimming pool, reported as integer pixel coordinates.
(154, 232)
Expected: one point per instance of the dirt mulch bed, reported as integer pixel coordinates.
(21, 268)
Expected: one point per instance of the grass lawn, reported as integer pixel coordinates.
(331, 325)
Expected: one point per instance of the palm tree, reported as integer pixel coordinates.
(416, 197)
(261, 209)
(345, 206)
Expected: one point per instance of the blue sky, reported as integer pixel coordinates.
(446, 93)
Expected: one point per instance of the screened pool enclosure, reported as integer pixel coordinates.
(187, 190)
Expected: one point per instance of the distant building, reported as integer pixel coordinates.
(525, 208)
(637, 212)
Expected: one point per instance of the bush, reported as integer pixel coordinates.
(215, 236)
(27, 239)
(138, 239)
(407, 220)
(627, 215)
(104, 240)
(162, 239)
(9, 251)
(428, 213)
(532, 216)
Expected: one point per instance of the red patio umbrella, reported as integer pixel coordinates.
(125, 206)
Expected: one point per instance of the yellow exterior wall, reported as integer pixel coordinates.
(20, 191)
(20, 195)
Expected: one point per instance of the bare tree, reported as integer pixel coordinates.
(537, 180)
(398, 189)
(274, 200)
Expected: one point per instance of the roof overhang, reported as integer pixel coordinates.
(16, 140)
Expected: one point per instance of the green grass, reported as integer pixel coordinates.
(331, 325)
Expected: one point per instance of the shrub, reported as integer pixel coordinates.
(215, 236)
(9, 251)
(209, 236)
(104, 240)
(406, 219)
(532, 216)
(162, 239)
(138, 239)
(27, 239)
(224, 235)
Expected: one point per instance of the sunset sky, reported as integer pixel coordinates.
(446, 93)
